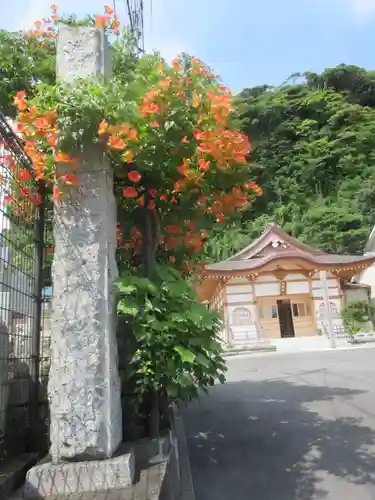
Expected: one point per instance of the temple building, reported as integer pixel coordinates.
(367, 275)
(274, 289)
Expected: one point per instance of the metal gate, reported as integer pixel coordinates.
(25, 288)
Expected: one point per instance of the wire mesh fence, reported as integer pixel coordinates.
(21, 285)
(45, 335)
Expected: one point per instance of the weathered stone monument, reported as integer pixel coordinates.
(84, 385)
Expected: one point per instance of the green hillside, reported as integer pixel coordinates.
(313, 154)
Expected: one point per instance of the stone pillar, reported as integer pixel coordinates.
(84, 384)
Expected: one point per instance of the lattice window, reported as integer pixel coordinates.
(274, 312)
(241, 316)
(333, 309)
(269, 311)
(300, 309)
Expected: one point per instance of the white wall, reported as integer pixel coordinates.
(297, 287)
(356, 294)
(242, 332)
(267, 289)
(217, 303)
(241, 312)
(367, 277)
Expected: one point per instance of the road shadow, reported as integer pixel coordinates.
(276, 441)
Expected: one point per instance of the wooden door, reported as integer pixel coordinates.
(302, 317)
(269, 318)
(285, 318)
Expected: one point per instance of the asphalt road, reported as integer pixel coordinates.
(287, 427)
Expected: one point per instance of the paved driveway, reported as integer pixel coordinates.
(287, 427)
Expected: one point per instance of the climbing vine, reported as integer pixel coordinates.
(167, 129)
(178, 163)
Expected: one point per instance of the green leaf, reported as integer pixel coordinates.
(127, 289)
(129, 310)
(202, 360)
(195, 341)
(185, 355)
(178, 318)
(186, 380)
(172, 390)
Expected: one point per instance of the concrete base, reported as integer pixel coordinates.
(362, 337)
(47, 479)
(301, 344)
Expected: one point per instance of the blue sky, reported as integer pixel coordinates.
(248, 42)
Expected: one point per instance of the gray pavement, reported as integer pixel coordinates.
(287, 427)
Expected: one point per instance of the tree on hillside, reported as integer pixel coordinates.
(25, 60)
(313, 154)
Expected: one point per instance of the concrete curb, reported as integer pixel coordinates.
(248, 350)
(360, 341)
(186, 479)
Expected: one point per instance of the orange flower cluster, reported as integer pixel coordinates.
(22, 207)
(253, 186)
(220, 106)
(40, 134)
(46, 28)
(224, 145)
(224, 203)
(148, 106)
(177, 236)
(199, 68)
(120, 138)
(24, 196)
(135, 240)
(20, 101)
(108, 21)
(193, 241)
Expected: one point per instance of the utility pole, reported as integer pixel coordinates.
(327, 308)
(134, 9)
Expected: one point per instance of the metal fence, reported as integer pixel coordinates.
(24, 300)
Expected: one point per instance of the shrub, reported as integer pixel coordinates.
(178, 351)
(358, 316)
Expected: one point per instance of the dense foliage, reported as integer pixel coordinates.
(359, 316)
(183, 351)
(313, 145)
(25, 60)
(180, 165)
(168, 130)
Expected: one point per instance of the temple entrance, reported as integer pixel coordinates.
(284, 310)
(286, 317)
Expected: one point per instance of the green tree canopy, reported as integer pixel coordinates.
(313, 153)
(25, 60)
